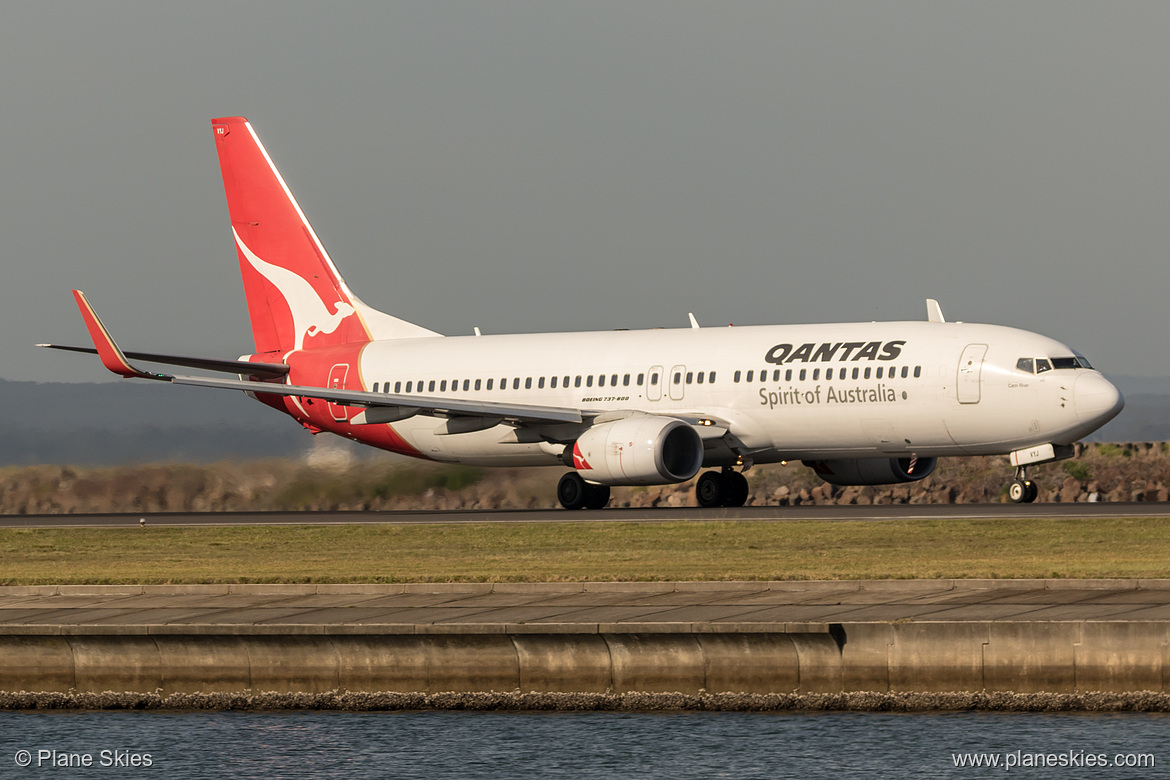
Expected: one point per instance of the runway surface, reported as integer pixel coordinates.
(851, 513)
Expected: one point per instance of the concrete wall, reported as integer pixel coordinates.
(1057, 657)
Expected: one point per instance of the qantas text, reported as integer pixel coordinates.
(842, 351)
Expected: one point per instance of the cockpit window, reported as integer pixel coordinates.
(1040, 365)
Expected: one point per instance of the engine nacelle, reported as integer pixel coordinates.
(872, 471)
(639, 450)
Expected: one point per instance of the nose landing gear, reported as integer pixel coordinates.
(1022, 490)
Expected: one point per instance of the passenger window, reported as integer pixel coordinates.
(466, 385)
(566, 384)
(700, 377)
(589, 380)
(856, 372)
(489, 383)
(601, 380)
(750, 374)
(867, 369)
(905, 371)
(477, 383)
(641, 377)
(375, 387)
(408, 385)
(516, 383)
(528, 383)
(828, 373)
(654, 378)
(816, 374)
(917, 371)
(788, 375)
(431, 386)
(398, 387)
(626, 380)
(803, 374)
(690, 376)
(776, 375)
(540, 383)
(554, 383)
(879, 372)
(613, 381)
(735, 377)
(577, 381)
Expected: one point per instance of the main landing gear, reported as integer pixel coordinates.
(721, 488)
(575, 493)
(1022, 490)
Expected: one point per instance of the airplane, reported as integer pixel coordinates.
(860, 403)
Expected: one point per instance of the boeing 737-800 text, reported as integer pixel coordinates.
(861, 403)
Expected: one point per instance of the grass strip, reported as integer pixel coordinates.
(594, 551)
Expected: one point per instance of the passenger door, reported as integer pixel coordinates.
(970, 373)
(337, 377)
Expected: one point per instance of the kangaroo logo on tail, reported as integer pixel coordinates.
(309, 312)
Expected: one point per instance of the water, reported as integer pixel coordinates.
(469, 745)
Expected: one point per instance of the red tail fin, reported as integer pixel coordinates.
(296, 297)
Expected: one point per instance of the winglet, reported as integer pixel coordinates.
(934, 311)
(108, 351)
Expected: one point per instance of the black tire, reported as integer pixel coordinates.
(1018, 491)
(596, 496)
(709, 490)
(735, 489)
(1033, 492)
(572, 491)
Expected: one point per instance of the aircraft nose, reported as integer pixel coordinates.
(1097, 400)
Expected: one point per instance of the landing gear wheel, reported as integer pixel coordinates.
(709, 490)
(735, 488)
(596, 496)
(572, 491)
(1023, 491)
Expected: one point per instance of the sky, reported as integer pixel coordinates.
(533, 166)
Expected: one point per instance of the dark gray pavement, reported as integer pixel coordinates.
(654, 515)
(576, 607)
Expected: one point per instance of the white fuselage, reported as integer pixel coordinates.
(848, 390)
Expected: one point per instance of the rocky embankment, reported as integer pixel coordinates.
(1100, 472)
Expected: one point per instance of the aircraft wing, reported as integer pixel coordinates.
(407, 404)
(258, 370)
(396, 407)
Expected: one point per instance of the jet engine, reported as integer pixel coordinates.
(639, 450)
(872, 471)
